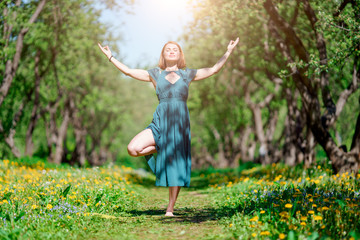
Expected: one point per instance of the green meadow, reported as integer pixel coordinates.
(42, 201)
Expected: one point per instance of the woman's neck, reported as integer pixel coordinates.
(171, 67)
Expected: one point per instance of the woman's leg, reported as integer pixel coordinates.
(173, 194)
(142, 144)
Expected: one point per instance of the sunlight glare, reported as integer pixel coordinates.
(181, 4)
(172, 9)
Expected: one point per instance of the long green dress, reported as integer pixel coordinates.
(171, 129)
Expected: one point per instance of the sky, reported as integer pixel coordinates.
(145, 31)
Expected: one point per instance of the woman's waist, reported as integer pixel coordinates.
(173, 99)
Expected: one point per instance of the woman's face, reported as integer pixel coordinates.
(171, 52)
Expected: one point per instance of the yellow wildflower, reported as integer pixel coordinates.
(49, 206)
(318, 218)
(282, 236)
(262, 211)
(288, 205)
(302, 223)
(254, 234)
(265, 233)
(293, 227)
(311, 212)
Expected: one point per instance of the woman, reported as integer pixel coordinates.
(168, 135)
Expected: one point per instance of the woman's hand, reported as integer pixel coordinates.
(138, 74)
(203, 73)
(232, 45)
(105, 50)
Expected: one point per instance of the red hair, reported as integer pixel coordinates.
(181, 62)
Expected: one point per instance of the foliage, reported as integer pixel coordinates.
(65, 38)
(218, 103)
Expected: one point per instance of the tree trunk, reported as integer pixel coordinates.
(9, 138)
(309, 154)
(221, 161)
(11, 65)
(341, 161)
(79, 154)
(291, 44)
(290, 139)
(295, 143)
(34, 114)
(56, 156)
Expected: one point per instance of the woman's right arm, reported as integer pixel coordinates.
(138, 74)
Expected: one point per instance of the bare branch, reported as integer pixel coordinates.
(296, 13)
(286, 28)
(353, 86)
(302, 83)
(329, 115)
(342, 6)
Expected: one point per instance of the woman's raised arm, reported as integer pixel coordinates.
(203, 73)
(138, 74)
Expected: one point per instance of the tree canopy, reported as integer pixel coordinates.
(288, 92)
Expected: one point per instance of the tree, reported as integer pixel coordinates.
(292, 41)
(71, 107)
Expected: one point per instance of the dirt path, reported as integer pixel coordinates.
(195, 216)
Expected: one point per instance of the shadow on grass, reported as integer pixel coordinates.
(184, 215)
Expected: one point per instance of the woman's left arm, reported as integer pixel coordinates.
(203, 73)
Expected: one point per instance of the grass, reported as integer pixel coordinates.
(41, 201)
(279, 202)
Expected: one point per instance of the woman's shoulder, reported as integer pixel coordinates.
(187, 70)
(155, 69)
(154, 72)
(188, 74)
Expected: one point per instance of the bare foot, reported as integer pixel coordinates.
(169, 214)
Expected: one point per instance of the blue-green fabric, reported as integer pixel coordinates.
(171, 129)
